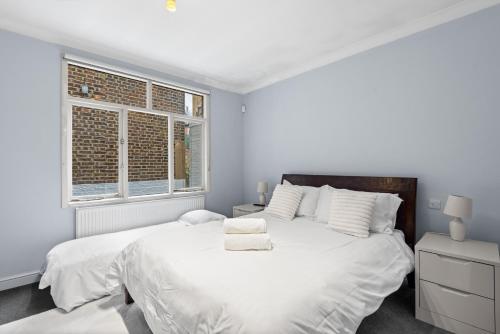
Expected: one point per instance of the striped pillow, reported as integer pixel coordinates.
(352, 212)
(285, 201)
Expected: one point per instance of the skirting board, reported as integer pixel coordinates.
(19, 280)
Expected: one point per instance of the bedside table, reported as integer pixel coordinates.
(246, 209)
(457, 284)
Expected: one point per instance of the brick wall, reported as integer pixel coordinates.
(95, 146)
(168, 99)
(95, 132)
(106, 87)
(147, 147)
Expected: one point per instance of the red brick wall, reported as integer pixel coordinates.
(106, 87)
(147, 147)
(95, 146)
(95, 132)
(168, 99)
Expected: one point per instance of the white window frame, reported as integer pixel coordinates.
(66, 135)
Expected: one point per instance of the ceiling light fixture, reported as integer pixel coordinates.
(170, 5)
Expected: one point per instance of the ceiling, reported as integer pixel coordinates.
(238, 45)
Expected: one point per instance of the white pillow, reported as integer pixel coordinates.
(385, 211)
(309, 201)
(285, 201)
(351, 212)
(196, 217)
(324, 200)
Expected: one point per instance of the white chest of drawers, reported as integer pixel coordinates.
(457, 284)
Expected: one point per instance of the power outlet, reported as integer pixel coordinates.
(434, 204)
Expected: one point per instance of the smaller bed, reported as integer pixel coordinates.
(76, 269)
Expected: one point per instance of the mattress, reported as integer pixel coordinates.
(314, 280)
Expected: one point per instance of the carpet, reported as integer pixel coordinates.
(21, 308)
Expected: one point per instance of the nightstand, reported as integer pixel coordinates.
(457, 284)
(246, 209)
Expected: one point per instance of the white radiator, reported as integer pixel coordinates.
(114, 218)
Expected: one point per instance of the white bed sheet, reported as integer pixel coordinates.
(315, 280)
(76, 270)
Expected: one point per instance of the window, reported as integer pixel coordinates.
(147, 154)
(130, 137)
(95, 154)
(107, 87)
(188, 155)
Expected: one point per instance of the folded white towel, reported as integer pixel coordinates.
(244, 225)
(241, 242)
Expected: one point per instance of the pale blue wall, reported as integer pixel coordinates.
(426, 106)
(31, 218)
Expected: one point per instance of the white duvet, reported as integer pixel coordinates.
(76, 270)
(315, 280)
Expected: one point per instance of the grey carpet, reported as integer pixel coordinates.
(394, 316)
(23, 301)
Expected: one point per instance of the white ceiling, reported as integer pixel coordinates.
(239, 45)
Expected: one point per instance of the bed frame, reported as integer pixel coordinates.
(406, 187)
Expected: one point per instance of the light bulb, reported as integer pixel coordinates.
(171, 7)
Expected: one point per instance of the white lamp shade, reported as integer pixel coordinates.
(262, 187)
(458, 206)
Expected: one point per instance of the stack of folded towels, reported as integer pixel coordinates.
(246, 234)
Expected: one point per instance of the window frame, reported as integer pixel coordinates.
(67, 103)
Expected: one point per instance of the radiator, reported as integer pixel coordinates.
(114, 218)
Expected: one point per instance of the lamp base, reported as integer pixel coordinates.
(262, 199)
(457, 229)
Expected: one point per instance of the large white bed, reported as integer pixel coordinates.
(315, 280)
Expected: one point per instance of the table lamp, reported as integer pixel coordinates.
(458, 207)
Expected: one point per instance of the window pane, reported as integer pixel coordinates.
(94, 151)
(177, 101)
(91, 84)
(147, 154)
(188, 158)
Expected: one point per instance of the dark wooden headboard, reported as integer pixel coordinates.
(406, 187)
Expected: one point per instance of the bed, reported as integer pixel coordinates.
(76, 270)
(315, 280)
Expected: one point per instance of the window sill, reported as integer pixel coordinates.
(145, 198)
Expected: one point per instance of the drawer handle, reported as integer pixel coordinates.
(455, 292)
(452, 259)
